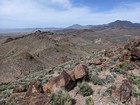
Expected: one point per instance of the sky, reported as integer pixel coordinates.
(63, 13)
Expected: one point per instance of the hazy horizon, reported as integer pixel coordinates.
(60, 27)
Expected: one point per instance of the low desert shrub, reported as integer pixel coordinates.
(61, 98)
(135, 93)
(108, 92)
(115, 58)
(135, 80)
(85, 89)
(118, 70)
(3, 87)
(122, 68)
(89, 101)
(113, 100)
(126, 66)
(109, 79)
(5, 94)
(114, 75)
(96, 80)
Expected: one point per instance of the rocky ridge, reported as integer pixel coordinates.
(109, 76)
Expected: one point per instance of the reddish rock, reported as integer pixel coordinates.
(2, 102)
(108, 53)
(96, 61)
(34, 87)
(126, 56)
(133, 49)
(39, 99)
(125, 91)
(34, 95)
(36, 99)
(105, 59)
(137, 102)
(62, 80)
(15, 95)
(80, 71)
(23, 102)
(85, 63)
(71, 73)
(19, 90)
(135, 54)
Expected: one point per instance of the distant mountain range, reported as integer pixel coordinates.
(115, 24)
(26, 30)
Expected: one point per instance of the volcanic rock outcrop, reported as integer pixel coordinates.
(125, 91)
(56, 83)
(66, 80)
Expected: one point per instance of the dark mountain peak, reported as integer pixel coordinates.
(115, 24)
(124, 23)
(75, 26)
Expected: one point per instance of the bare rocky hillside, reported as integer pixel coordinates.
(37, 51)
(109, 76)
(88, 65)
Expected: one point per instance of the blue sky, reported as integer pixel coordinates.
(62, 13)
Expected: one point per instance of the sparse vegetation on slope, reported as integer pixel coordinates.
(100, 77)
(61, 98)
(85, 89)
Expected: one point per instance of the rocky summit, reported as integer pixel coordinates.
(83, 66)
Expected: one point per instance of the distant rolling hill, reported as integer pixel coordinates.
(25, 30)
(115, 24)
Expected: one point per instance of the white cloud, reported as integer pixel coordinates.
(48, 13)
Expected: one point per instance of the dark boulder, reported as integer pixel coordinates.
(125, 91)
(56, 83)
(19, 90)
